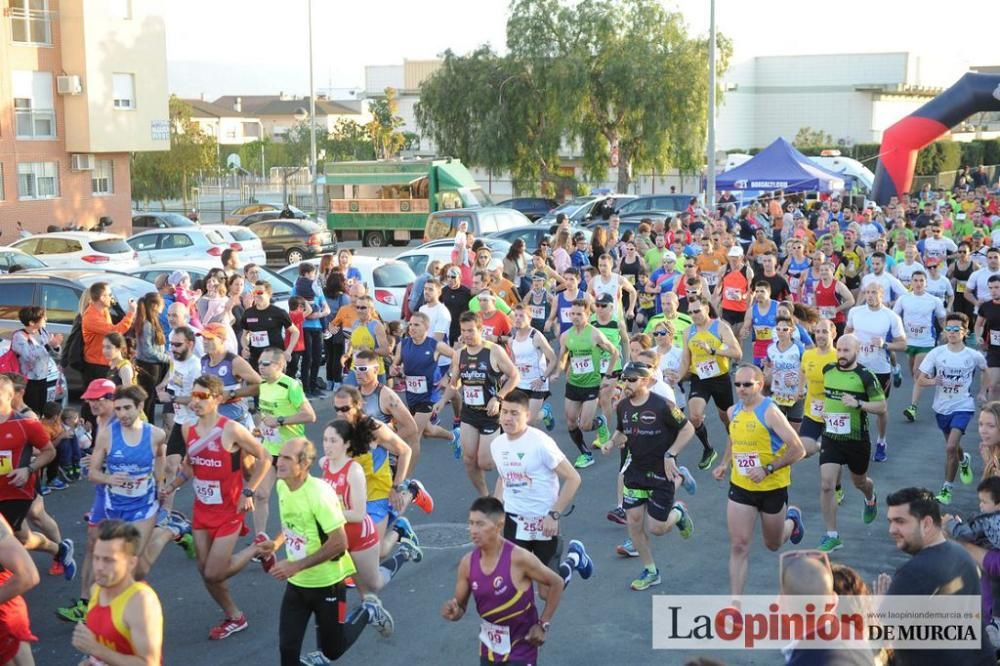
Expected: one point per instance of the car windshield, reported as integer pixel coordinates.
(24, 261)
(571, 205)
(178, 220)
(393, 275)
(111, 246)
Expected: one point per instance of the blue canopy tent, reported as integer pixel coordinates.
(779, 167)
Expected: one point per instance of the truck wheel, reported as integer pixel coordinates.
(374, 239)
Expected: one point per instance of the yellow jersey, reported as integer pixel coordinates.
(754, 444)
(703, 364)
(813, 362)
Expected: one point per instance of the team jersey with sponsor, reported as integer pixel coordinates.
(650, 430)
(920, 315)
(762, 327)
(954, 372)
(107, 622)
(813, 363)
(218, 474)
(786, 366)
(480, 382)
(137, 462)
(507, 614)
(755, 444)
(845, 423)
(869, 324)
(527, 466)
(18, 436)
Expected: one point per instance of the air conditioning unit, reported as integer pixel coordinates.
(69, 85)
(81, 162)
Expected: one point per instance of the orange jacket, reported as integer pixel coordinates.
(97, 324)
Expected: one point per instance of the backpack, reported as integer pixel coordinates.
(9, 362)
(72, 351)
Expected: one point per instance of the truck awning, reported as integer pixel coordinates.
(366, 179)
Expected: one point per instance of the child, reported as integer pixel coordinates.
(297, 312)
(181, 282)
(51, 420)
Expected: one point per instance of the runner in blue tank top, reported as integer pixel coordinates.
(559, 315)
(416, 361)
(239, 379)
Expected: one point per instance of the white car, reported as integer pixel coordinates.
(418, 258)
(80, 249)
(158, 246)
(9, 258)
(241, 239)
(387, 280)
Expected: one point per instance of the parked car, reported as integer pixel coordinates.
(444, 223)
(160, 245)
(161, 220)
(241, 239)
(387, 280)
(532, 235)
(10, 257)
(665, 203)
(80, 249)
(59, 292)
(532, 207)
(583, 209)
(418, 258)
(290, 241)
(496, 245)
(281, 289)
(269, 211)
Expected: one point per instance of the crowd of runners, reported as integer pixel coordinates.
(794, 319)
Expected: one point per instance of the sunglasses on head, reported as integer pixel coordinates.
(201, 395)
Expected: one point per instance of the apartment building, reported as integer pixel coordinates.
(83, 83)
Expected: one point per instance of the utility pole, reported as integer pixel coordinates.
(312, 121)
(710, 181)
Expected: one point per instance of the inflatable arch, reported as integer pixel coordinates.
(973, 93)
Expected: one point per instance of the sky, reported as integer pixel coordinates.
(261, 47)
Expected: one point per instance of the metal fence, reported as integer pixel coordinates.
(946, 179)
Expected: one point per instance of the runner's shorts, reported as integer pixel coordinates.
(811, 429)
(547, 550)
(15, 627)
(361, 536)
(655, 492)
(718, 389)
(581, 393)
(885, 381)
(855, 454)
(15, 511)
(793, 412)
(480, 420)
(220, 524)
(993, 359)
(133, 515)
(766, 501)
(953, 421)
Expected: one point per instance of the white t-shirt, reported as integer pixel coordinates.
(940, 287)
(181, 381)
(671, 361)
(869, 324)
(977, 283)
(956, 371)
(440, 323)
(905, 271)
(940, 247)
(786, 372)
(892, 288)
(527, 466)
(663, 389)
(919, 314)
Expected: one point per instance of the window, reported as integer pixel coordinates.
(29, 21)
(34, 108)
(175, 241)
(14, 296)
(57, 246)
(61, 304)
(38, 180)
(251, 130)
(123, 91)
(102, 178)
(109, 246)
(143, 243)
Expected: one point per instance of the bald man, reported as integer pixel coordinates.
(178, 315)
(852, 393)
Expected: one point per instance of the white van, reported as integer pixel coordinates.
(832, 160)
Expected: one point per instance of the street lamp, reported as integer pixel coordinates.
(312, 118)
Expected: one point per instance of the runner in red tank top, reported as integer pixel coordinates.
(833, 298)
(17, 575)
(216, 447)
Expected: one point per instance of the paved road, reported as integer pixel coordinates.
(599, 621)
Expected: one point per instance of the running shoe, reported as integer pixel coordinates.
(584, 565)
(897, 376)
(965, 469)
(603, 434)
(228, 627)
(412, 549)
(880, 452)
(684, 524)
(65, 557)
(260, 537)
(839, 494)
(58, 484)
(627, 549)
(75, 612)
(43, 488)
(456, 442)
(944, 497)
(910, 413)
(584, 460)
(871, 510)
(315, 658)
(617, 515)
(708, 457)
(187, 543)
(378, 616)
(405, 530)
(646, 580)
(794, 514)
(830, 544)
(77, 473)
(688, 483)
(56, 568)
(421, 497)
(547, 418)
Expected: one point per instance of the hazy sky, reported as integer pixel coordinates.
(258, 47)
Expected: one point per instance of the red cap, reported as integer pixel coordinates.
(98, 389)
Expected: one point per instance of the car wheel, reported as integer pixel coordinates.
(294, 256)
(374, 239)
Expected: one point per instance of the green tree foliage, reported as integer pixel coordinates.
(349, 141)
(157, 176)
(384, 126)
(807, 137)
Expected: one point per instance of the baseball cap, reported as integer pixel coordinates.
(668, 255)
(636, 369)
(605, 299)
(99, 389)
(735, 251)
(177, 277)
(215, 330)
(538, 276)
(931, 261)
(454, 272)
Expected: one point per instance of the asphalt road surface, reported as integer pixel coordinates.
(598, 621)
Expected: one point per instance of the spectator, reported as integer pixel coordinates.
(177, 316)
(417, 293)
(183, 293)
(230, 261)
(515, 265)
(334, 342)
(35, 349)
(351, 274)
(97, 324)
(312, 329)
(151, 358)
(167, 294)
(115, 351)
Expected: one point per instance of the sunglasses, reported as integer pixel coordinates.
(744, 384)
(631, 380)
(344, 410)
(363, 368)
(177, 344)
(361, 307)
(201, 395)
(659, 334)
(952, 329)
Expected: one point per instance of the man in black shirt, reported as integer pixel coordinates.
(264, 325)
(455, 296)
(770, 274)
(937, 567)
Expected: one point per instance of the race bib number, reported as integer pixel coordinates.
(268, 433)
(605, 364)
(495, 638)
(416, 384)
(295, 544)
(564, 316)
(488, 331)
(259, 339)
(995, 338)
(208, 491)
(746, 462)
(581, 365)
(827, 312)
(473, 395)
(816, 407)
(960, 287)
(916, 330)
(732, 294)
(762, 332)
(6, 462)
(529, 529)
(838, 423)
(538, 312)
(793, 284)
(138, 487)
(950, 388)
(707, 369)
(50, 394)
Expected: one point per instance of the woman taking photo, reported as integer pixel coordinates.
(120, 370)
(151, 358)
(35, 348)
(515, 267)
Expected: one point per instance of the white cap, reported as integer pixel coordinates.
(735, 251)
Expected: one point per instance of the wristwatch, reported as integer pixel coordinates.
(281, 420)
(672, 456)
(248, 492)
(544, 625)
(554, 515)
(770, 468)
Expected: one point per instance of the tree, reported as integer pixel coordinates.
(807, 137)
(384, 126)
(349, 141)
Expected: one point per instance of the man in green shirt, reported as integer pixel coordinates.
(316, 561)
(852, 393)
(654, 255)
(668, 305)
(961, 228)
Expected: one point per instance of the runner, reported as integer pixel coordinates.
(128, 459)
(536, 364)
(239, 379)
(762, 448)
(794, 268)
(769, 273)
(501, 576)
(264, 325)
(581, 346)
(814, 361)
(124, 617)
(531, 467)
(833, 298)
(923, 318)
(368, 335)
(853, 264)
(951, 368)
(387, 407)
(959, 273)
(709, 348)
(284, 411)
(18, 574)
(175, 392)
(732, 294)
(496, 324)
(988, 335)
(480, 369)
(909, 266)
(939, 285)
(539, 302)
(879, 331)
(669, 312)
(852, 393)
(977, 288)
(216, 447)
(655, 432)
(614, 330)
(562, 303)
(782, 372)
(760, 321)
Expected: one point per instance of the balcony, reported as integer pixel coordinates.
(35, 123)
(31, 26)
